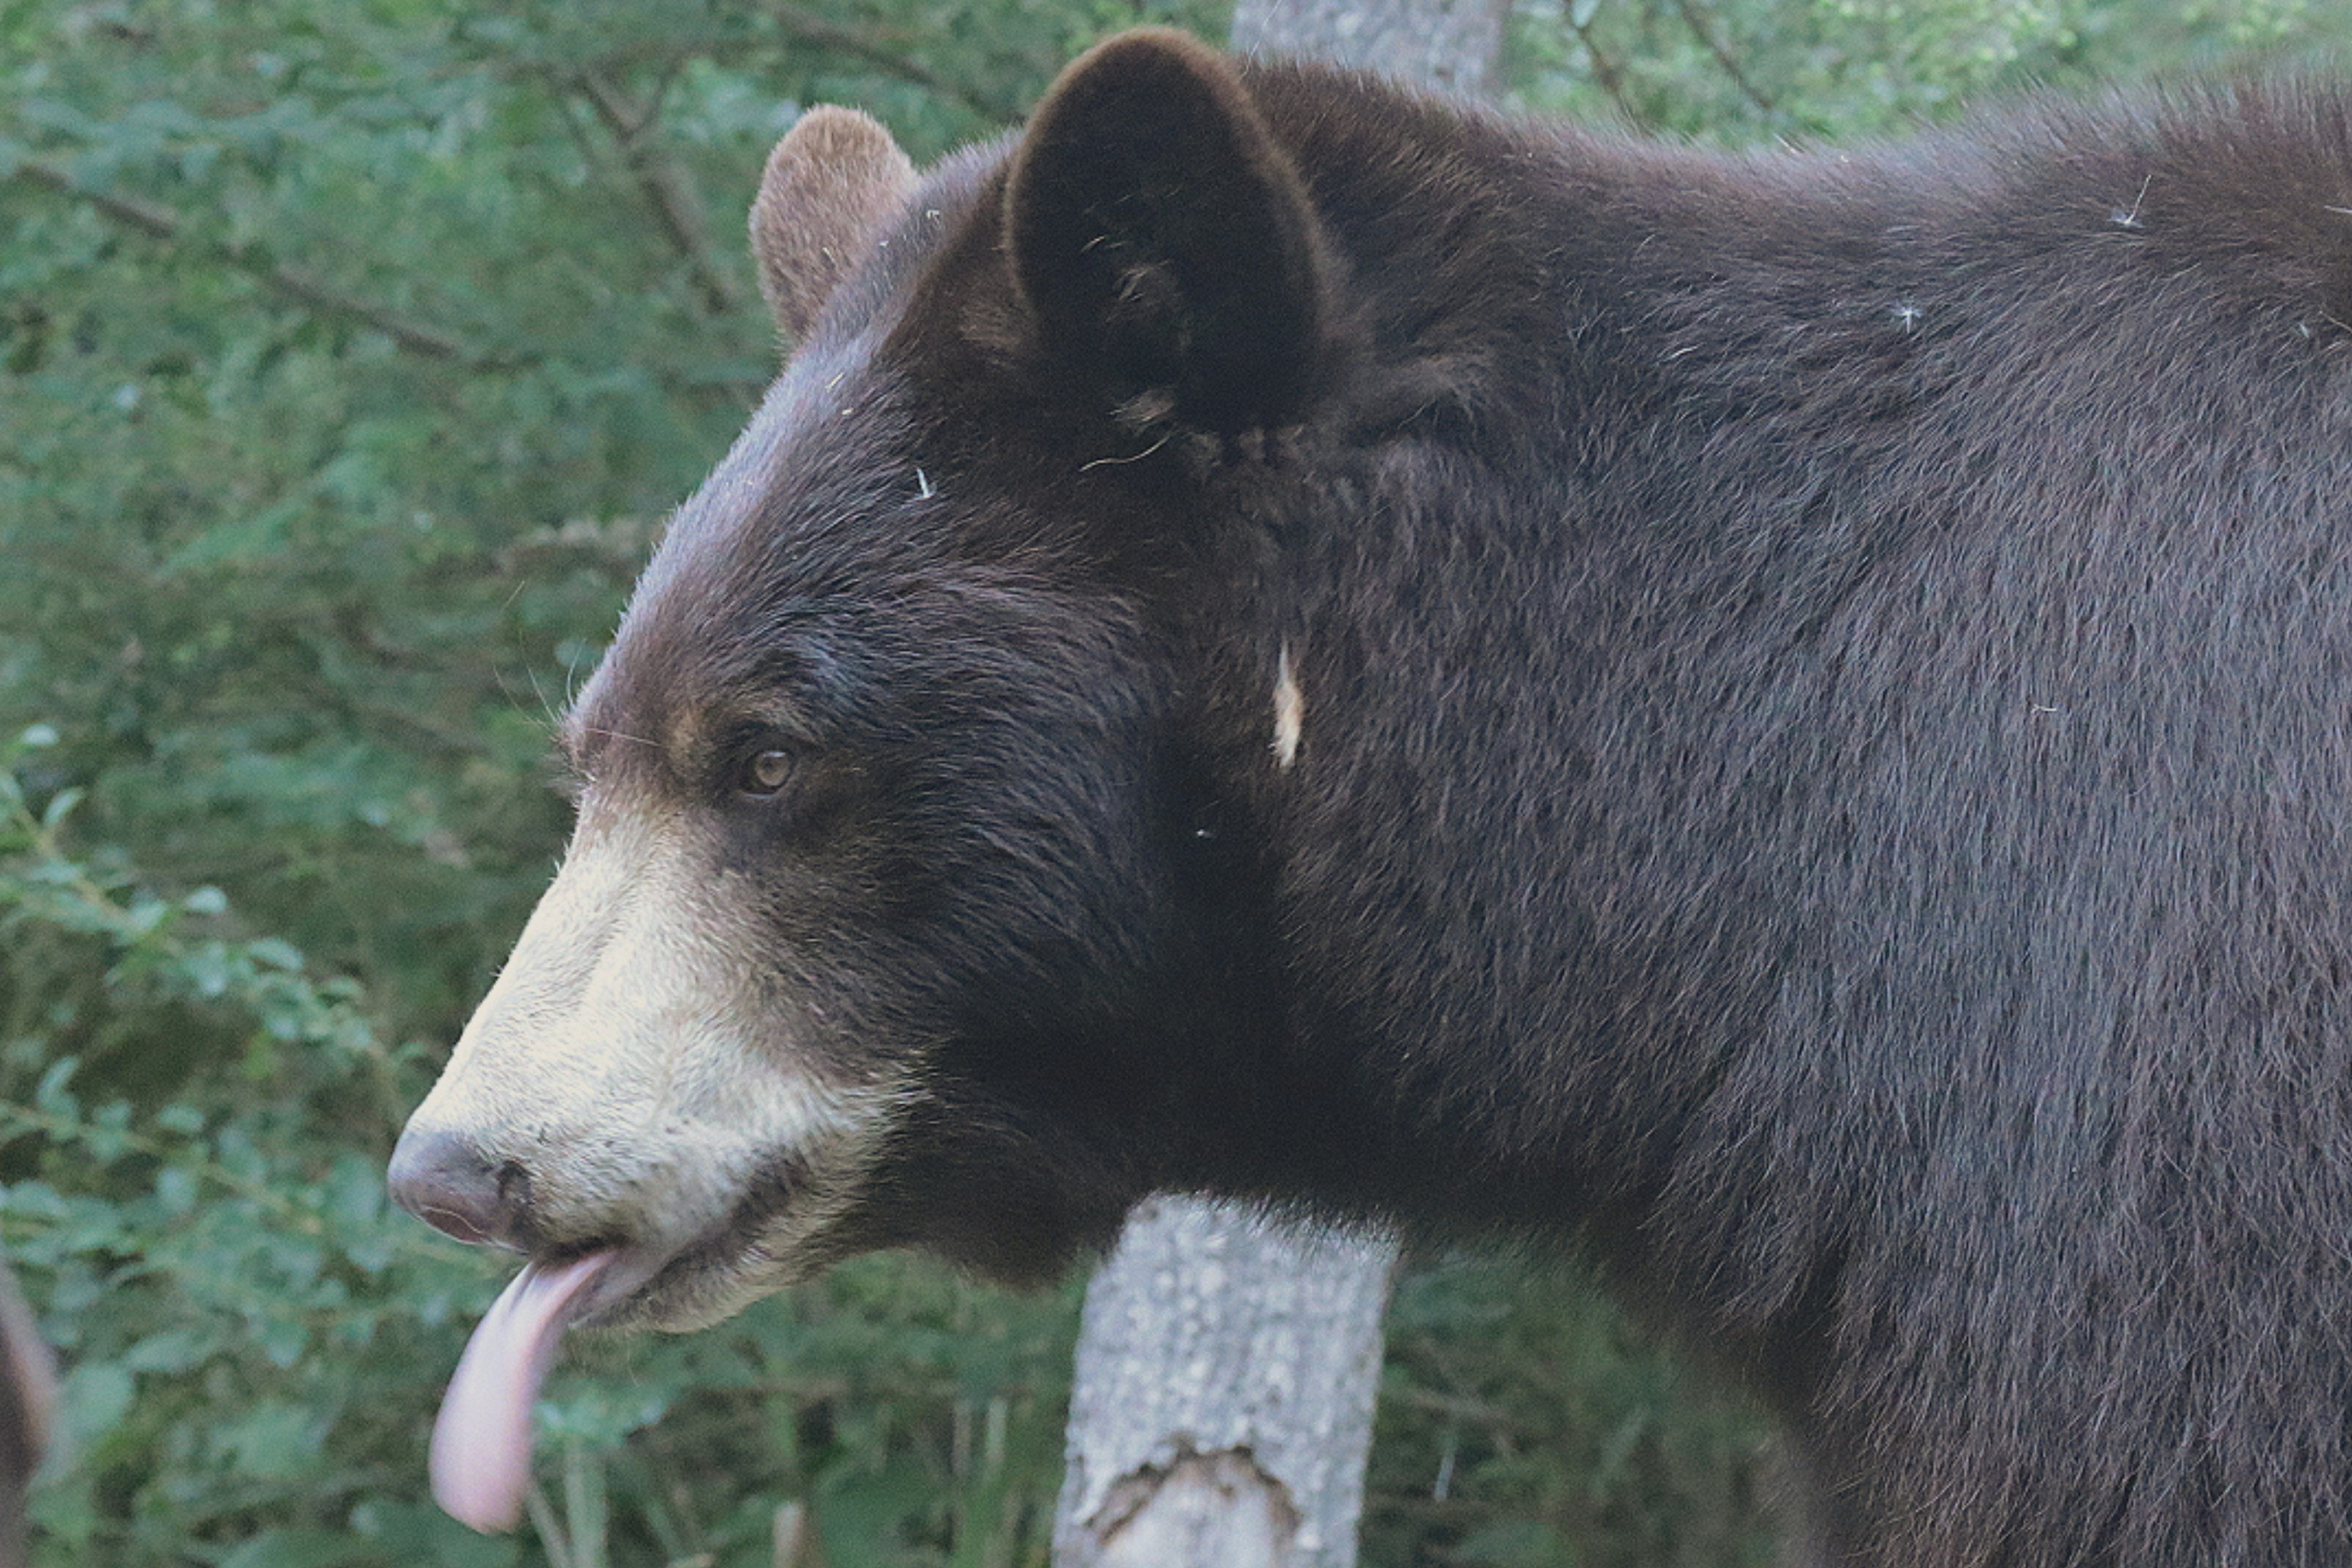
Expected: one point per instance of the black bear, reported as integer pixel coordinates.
(1784, 719)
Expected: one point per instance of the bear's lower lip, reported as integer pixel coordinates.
(631, 1296)
(663, 1288)
(631, 1276)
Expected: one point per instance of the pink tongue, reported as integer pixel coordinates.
(481, 1446)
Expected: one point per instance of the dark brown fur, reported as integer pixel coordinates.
(1824, 774)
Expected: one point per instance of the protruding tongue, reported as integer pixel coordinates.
(482, 1445)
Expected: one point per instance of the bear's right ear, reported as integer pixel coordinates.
(833, 185)
(1163, 239)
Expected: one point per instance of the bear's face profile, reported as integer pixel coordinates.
(893, 857)
(1776, 717)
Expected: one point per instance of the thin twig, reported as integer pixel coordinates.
(663, 185)
(162, 223)
(1723, 57)
(888, 55)
(1611, 75)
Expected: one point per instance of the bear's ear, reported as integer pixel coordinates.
(833, 184)
(1164, 242)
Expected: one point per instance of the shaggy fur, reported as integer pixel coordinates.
(1814, 688)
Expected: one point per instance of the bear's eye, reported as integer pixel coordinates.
(764, 771)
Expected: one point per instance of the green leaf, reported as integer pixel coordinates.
(92, 1401)
(421, 1533)
(272, 1440)
(299, 1548)
(60, 807)
(50, 1094)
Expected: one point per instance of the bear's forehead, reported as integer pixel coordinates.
(834, 444)
(792, 551)
(822, 530)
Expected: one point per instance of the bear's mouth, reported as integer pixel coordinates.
(481, 1451)
(482, 1440)
(770, 1234)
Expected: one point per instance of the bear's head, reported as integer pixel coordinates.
(906, 904)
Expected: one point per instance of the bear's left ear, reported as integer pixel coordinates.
(832, 186)
(1164, 241)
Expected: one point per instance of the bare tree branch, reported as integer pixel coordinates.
(299, 284)
(1454, 45)
(1723, 57)
(664, 186)
(888, 54)
(1607, 72)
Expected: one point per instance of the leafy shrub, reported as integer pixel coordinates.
(255, 1338)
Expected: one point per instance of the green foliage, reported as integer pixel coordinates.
(256, 1339)
(351, 351)
(1523, 1424)
(1742, 71)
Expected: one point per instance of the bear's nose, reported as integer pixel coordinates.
(442, 1180)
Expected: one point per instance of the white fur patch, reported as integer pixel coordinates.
(627, 1061)
(1289, 711)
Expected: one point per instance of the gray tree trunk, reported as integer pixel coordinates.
(1224, 1402)
(1452, 45)
(1223, 1408)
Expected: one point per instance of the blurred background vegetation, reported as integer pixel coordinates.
(351, 352)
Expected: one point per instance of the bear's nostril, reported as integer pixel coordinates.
(439, 1178)
(514, 1186)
